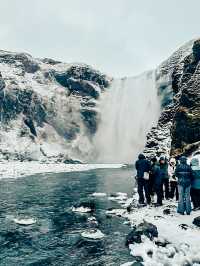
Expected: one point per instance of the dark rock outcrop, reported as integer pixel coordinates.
(20, 60)
(196, 221)
(147, 229)
(184, 226)
(162, 242)
(167, 211)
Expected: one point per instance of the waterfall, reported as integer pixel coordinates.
(128, 110)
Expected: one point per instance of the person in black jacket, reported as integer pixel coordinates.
(143, 166)
(164, 176)
(184, 174)
(156, 180)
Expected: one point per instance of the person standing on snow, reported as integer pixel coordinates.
(195, 188)
(153, 161)
(184, 174)
(172, 178)
(164, 176)
(142, 166)
(156, 180)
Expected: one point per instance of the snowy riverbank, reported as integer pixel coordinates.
(177, 230)
(18, 169)
(178, 236)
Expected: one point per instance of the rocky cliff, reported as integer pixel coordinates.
(178, 82)
(48, 109)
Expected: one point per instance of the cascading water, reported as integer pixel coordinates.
(128, 110)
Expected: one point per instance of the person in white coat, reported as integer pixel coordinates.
(172, 178)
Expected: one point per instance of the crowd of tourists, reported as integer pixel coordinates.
(169, 179)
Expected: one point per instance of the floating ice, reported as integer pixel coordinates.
(119, 197)
(28, 221)
(92, 219)
(117, 212)
(127, 263)
(122, 194)
(93, 234)
(99, 194)
(81, 209)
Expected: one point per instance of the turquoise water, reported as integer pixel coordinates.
(56, 239)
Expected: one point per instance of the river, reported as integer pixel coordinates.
(55, 238)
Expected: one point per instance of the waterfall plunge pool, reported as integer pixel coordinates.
(55, 238)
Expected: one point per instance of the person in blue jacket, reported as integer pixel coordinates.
(184, 174)
(195, 188)
(143, 166)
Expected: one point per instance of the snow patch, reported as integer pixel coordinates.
(169, 229)
(117, 212)
(18, 169)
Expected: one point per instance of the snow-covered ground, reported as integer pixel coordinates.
(18, 169)
(171, 229)
(178, 230)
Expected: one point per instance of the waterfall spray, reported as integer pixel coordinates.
(128, 110)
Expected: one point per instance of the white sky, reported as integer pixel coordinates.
(118, 37)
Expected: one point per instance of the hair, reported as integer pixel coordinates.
(154, 160)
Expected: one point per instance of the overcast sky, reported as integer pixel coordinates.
(118, 37)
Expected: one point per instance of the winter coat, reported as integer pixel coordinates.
(142, 165)
(195, 173)
(184, 173)
(163, 169)
(155, 171)
(171, 173)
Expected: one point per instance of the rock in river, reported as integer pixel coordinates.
(146, 229)
(196, 221)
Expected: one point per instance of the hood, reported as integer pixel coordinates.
(162, 158)
(141, 156)
(172, 161)
(195, 162)
(183, 160)
(154, 160)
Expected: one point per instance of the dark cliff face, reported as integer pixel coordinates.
(178, 128)
(186, 122)
(43, 103)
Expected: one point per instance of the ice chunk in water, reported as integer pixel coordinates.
(81, 209)
(93, 234)
(99, 194)
(27, 221)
